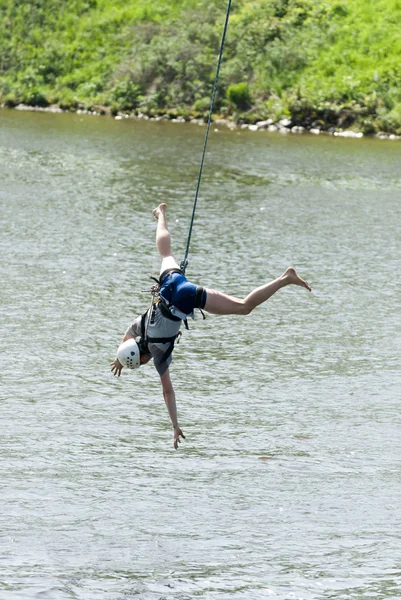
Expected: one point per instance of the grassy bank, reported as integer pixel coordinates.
(323, 63)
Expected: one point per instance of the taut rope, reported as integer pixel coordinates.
(184, 263)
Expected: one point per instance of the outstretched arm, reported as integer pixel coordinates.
(169, 398)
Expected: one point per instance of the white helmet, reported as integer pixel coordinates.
(129, 354)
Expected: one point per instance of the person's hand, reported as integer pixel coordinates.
(116, 367)
(177, 434)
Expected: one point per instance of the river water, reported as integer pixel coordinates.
(288, 483)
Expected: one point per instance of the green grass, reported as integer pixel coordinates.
(322, 61)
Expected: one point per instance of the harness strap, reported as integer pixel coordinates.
(199, 296)
(169, 350)
(143, 319)
(169, 272)
(156, 340)
(153, 313)
(165, 310)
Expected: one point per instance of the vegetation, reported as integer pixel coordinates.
(239, 96)
(321, 62)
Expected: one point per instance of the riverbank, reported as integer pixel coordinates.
(284, 125)
(325, 65)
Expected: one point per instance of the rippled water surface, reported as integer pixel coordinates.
(288, 483)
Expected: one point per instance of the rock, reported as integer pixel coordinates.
(253, 127)
(285, 123)
(348, 134)
(55, 109)
(264, 124)
(317, 124)
(297, 129)
(25, 107)
(346, 118)
(315, 131)
(244, 126)
(101, 110)
(272, 128)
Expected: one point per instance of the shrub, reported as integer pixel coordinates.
(368, 127)
(238, 94)
(35, 97)
(202, 105)
(11, 100)
(68, 101)
(125, 94)
(391, 122)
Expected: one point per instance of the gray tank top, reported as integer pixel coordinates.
(160, 328)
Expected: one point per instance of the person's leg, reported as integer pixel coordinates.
(163, 240)
(218, 303)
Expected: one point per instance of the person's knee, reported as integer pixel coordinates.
(244, 308)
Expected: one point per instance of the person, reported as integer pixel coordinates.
(152, 335)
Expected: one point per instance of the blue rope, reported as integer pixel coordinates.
(184, 263)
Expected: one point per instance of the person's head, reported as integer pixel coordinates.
(144, 358)
(133, 353)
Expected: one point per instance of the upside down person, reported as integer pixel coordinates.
(153, 334)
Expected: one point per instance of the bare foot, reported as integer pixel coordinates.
(291, 276)
(159, 209)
